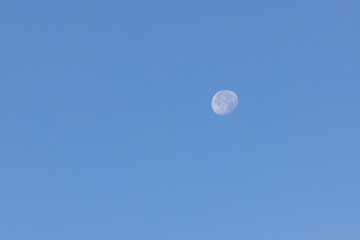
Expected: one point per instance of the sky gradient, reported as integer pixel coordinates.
(107, 131)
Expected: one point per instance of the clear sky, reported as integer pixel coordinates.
(107, 131)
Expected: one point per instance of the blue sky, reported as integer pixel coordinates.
(107, 132)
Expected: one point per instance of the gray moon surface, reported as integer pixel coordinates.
(224, 102)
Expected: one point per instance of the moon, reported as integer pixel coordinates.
(224, 102)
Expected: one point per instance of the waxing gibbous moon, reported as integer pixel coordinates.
(224, 102)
